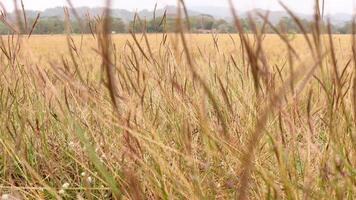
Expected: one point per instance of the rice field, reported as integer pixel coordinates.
(178, 116)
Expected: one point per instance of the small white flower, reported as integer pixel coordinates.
(65, 186)
(90, 179)
(71, 144)
(83, 174)
(5, 197)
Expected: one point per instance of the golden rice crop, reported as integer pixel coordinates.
(178, 116)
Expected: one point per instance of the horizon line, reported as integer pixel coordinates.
(191, 8)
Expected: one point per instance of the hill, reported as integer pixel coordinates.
(216, 12)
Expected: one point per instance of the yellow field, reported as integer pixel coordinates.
(209, 121)
(51, 45)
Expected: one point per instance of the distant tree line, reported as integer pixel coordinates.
(198, 24)
(56, 25)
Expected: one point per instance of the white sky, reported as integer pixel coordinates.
(301, 6)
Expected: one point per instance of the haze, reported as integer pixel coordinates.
(331, 6)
